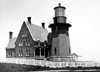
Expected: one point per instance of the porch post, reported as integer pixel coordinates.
(44, 52)
(48, 53)
(40, 52)
(34, 52)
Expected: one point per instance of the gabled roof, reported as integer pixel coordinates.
(11, 43)
(37, 32)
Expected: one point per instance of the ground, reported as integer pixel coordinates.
(8, 67)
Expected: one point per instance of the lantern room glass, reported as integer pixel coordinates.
(59, 11)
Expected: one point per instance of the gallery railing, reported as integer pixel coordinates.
(49, 63)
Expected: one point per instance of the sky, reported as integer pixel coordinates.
(83, 15)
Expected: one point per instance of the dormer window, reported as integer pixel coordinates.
(24, 34)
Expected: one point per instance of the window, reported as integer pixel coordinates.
(20, 52)
(69, 51)
(27, 52)
(27, 44)
(24, 34)
(10, 53)
(20, 43)
(55, 51)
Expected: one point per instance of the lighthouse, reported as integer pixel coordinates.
(59, 36)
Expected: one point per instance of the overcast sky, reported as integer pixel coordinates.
(84, 16)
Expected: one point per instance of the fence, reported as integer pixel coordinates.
(49, 63)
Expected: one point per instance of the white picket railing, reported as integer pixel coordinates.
(50, 63)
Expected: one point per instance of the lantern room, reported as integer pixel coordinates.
(59, 14)
(59, 10)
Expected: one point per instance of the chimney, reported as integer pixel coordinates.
(10, 35)
(29, 19)
(43, 25)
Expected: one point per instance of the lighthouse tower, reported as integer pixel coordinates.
(60, 44)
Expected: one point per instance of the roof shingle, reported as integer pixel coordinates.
(37, 32)
(11, 43)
